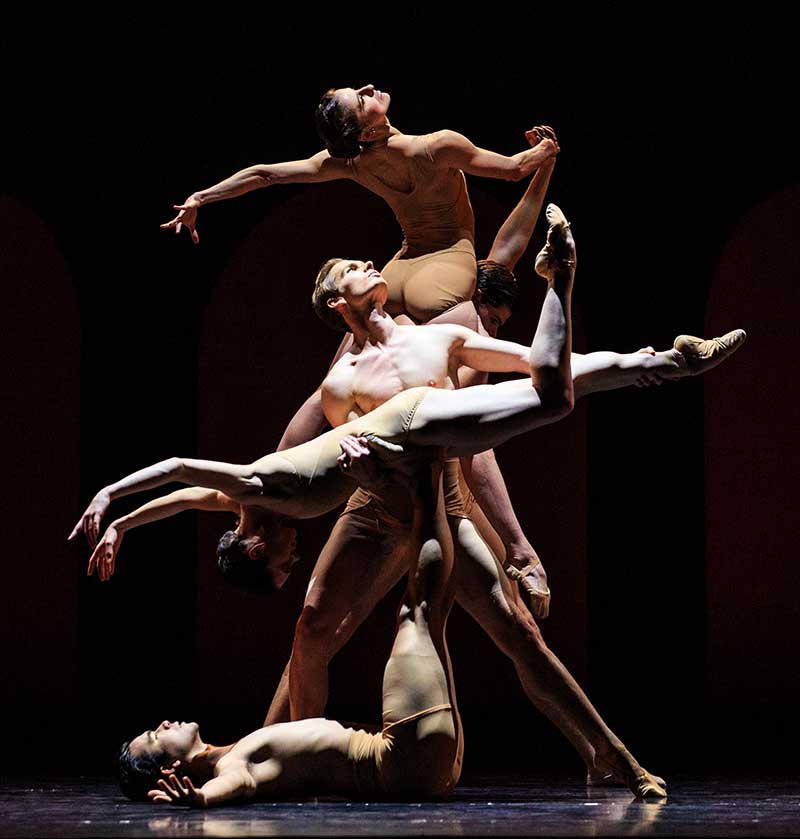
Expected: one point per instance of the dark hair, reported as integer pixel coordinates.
(337, 126)
(497, 284)
(137, 775)
(325, 289)
(238, 569)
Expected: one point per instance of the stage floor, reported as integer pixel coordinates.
(499, 805)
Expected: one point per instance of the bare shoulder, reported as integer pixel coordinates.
(420, 145)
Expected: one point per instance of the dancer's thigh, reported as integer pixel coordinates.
(361, 561)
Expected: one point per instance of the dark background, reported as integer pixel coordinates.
(666, 518)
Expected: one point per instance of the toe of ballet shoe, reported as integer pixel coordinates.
(702, 354)
(646, 787)
(555, 215)
(538, 600)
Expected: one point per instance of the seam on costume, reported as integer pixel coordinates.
(410, 416)
(434, 709)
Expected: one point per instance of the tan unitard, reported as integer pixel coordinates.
(319, 485)
(435, 268)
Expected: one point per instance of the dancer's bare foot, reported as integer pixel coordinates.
(621, 766)
(700, 355)
(559, 251)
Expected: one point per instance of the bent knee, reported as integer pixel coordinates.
(315, 634)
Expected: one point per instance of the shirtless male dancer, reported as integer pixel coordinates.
(413, 756)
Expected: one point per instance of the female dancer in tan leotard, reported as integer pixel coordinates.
(420, 177)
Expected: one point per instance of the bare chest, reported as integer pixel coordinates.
(378, 374)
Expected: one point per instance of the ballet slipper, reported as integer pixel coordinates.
(701, 354)
(559, 250)
(539, 600)
(621, 765)
(608, 779)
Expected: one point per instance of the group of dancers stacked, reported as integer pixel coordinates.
(409, 454)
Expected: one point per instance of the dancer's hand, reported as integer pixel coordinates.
(89, 522)
(544, 136)
(104, 556)
(356, 462)
(172, 791)
(187, 217)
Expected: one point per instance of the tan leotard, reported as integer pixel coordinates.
(435, 268)
(401, 760)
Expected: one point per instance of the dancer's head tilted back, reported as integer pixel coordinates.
(496, 294)
(347, 289)
(259, 555)
(350, 118)
(141, 760)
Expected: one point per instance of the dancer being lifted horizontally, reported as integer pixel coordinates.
(420, 177)
(413, 756)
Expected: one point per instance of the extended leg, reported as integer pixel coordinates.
(488, 595)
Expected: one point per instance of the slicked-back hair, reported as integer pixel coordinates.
(137, 775)
(337, 126)
(497, 284)
(238, 569)
(325, 289)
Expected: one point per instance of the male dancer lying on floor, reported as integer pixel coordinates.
(413, 756)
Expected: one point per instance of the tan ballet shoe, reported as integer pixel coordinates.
(608, 779)
(621, 765)
(703, 354)
(559, 251)
(539, 600)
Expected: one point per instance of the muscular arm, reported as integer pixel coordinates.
(482, 352)
(309, 422)
(451, 150)
(513, 237)
(320, 167)
(232, 783)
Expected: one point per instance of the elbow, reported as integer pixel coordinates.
(176, 466)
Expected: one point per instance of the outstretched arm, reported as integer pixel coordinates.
(103, 558)
(232, 783)
(232, 479)
(515, 234)
(320, 167)
(451, 150)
